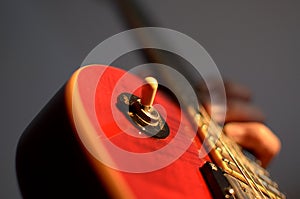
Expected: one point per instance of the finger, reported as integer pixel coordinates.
(237, 91)
(238, 111)
(232, 90)
(255, 137)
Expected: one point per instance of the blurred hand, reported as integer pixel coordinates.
(244, 123)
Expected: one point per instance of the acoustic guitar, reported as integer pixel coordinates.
(111, 134)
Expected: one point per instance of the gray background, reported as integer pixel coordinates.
(255, 43)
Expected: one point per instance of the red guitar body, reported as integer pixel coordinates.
(66, 150)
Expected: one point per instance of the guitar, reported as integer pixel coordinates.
(100, 137)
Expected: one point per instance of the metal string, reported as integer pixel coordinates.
(237, 162)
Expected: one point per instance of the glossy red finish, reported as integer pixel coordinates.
(98, 88)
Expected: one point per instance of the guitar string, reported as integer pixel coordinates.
(244, 171)
(238, 153)
(204, 119)
(233, 158)
(238, 162)
(248, 165)
(249, 170)
(240, 166)
(199, 121)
